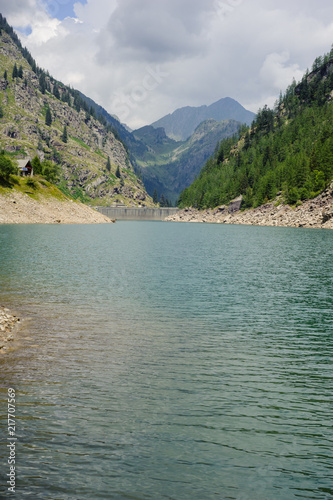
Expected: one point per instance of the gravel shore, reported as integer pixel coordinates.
(20, 208)
(8, 326)
(315, 213)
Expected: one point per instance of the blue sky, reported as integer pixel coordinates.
(60, 9)
(142, 59)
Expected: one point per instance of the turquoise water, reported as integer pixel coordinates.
(169, 361)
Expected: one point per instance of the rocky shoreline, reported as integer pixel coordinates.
(315, 213)
(9, 323)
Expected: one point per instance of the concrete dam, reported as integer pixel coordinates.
(137, 213)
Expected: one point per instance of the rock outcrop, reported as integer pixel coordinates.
(8, 326)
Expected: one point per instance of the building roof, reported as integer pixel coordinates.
(24, 163)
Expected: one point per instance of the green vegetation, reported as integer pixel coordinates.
(49, 84)
(118, 174)
(76, 194)
(7, 168)
(168, 165)
(47, 169)
(41, 115)
(64, 136)
(108, 165)
(48, 117)
(81, 143)
(288, 149)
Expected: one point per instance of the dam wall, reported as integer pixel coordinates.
(137, 213)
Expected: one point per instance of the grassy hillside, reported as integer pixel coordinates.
(288, 149)
(35, 187)
(41, 116)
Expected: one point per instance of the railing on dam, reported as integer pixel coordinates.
(137, 213)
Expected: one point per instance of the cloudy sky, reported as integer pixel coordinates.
(142, 59)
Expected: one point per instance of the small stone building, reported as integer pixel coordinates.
(25, 168)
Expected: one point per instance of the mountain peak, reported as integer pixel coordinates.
(181, 124)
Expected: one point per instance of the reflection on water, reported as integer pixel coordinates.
(174, 361)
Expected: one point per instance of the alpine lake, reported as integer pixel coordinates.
(163, 360)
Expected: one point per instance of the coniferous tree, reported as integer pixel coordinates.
(118, 172)
(162, 200)
(6, 167)
(20, 72)
(155, 196)
(288, 149)
(36, 165)
(108, 165)
(15, 72)
(5, 75)
(64, 136)
(48, 117)
(56, 91)
(42, 83)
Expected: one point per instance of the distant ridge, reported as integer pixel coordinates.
(181, 124)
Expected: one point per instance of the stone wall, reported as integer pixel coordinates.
(137, 213)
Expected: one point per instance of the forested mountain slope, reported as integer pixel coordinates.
(169, 166)
(288, 149)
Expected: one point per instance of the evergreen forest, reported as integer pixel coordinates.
(287, 150)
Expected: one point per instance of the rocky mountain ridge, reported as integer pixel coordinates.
(83, 156)
(181, 124)
(169, 166)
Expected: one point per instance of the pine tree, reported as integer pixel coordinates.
(64, 136)
(6, 167)
(108, 165)
(118, 172)
(42, 83)
(5, 75)
(162, 200)
(155, 196)
(56, 91)
(15, 72)
(37, 166)
(20, 72)
(48, 117)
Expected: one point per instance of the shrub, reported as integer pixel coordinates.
(293, 196)
(6, 167)
(31, 183)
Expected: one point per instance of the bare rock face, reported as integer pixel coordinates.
(3, 84)
(235, 205)
(327, 214)
(8, 322)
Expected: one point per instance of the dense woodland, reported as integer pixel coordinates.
(288, 149)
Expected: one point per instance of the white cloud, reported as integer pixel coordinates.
(202, 50)
(276, 73)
